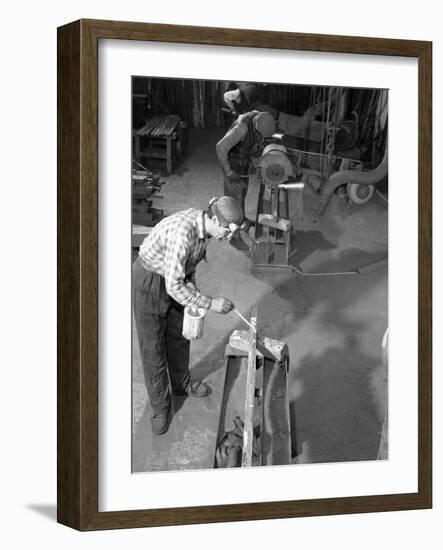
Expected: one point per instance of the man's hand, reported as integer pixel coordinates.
(246, 225)
(233, 176)
(221, 305)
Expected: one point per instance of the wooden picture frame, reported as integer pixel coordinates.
(77, 460)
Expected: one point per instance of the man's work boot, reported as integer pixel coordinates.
(196, 388)
(160, 423)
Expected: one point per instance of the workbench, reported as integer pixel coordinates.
(163, 137)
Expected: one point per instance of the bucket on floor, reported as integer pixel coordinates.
(193, 322)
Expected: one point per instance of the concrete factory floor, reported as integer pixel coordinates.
(333, 326)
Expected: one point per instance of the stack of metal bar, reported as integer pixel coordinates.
(161, 138)
(159, 126)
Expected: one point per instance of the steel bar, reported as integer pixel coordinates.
(244, 319)
(248, 433)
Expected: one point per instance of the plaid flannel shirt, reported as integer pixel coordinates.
(173, 249)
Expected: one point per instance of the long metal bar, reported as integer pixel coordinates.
(244, 319)
(248, 433)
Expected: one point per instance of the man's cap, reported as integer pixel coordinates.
(251, 93)
(265, 124)
(227, 210)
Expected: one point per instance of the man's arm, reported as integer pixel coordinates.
(232, 137)
(191, 278)
(175, 274)
(188, 295)
(230, 97)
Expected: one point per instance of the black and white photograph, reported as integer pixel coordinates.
(221, 284)
(259, 274)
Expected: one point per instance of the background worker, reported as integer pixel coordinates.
(163, 284)
(243, 141)
(240, 97)
(245, 97)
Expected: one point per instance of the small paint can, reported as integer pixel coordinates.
(193, 322)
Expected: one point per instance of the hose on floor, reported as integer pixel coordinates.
(336, 273)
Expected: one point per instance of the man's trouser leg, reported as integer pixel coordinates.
(236, 189)
(151, 304)
(177, 349)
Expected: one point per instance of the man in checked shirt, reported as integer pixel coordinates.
(163, 284)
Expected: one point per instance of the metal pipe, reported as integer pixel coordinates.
(354, 176)
(342, 105)
(235, 310)
(298, 185)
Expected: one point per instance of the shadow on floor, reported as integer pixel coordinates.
(209, 363)
(337, 413)
(48, 511)
(340, 422)
(304, 243)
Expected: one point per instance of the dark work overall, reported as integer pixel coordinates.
(163, 349)
(239, 160)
